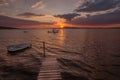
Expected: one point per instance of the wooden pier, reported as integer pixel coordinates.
(49, 69)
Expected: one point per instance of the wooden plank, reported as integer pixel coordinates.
(49, 70)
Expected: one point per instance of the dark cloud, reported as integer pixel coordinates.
(3, 3)
(106, 18)
(100, 19)
(97, 5)
(68, 17)
(14, 22)
(29, 15)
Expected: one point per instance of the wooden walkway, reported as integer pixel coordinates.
(49, 69)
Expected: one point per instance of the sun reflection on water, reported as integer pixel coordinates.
(61, 37)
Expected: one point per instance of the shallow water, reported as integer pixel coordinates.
(99, 48)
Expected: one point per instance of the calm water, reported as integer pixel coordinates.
(66, 39)
(96, 47)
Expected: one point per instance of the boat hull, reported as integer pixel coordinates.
(18, 47)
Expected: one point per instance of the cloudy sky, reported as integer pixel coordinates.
(59, 13)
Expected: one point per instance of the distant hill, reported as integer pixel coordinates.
(71, 27)
(91, 27)
(2, 27)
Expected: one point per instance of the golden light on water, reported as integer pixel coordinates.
(61, 37)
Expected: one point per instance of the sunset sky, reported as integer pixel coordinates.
(59, 13)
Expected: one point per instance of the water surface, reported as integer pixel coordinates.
(99, 48)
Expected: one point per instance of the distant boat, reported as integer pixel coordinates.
(53, 31)
(18, 47)
(25, 31)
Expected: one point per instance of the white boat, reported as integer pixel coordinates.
(54, 31)
(18, 47)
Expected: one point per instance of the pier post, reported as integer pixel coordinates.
(43, 49)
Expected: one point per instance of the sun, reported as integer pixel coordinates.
(61, 26)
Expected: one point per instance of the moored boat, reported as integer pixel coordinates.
(53, 31)
(18, 47)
